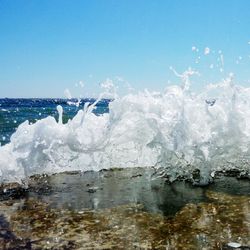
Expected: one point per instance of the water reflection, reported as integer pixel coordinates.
(98, 190)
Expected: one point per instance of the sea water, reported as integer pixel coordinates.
(14, 111)
(181, 133)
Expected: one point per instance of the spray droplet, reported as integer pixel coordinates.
(67, 94)
(206, 51)
(60, 112)
(211, 102)
(81, 84)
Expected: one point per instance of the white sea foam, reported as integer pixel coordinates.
(177, 131)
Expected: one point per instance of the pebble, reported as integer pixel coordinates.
(234, 244)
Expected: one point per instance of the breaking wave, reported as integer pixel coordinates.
(178, 132)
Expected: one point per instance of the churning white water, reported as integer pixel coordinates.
(177, 131)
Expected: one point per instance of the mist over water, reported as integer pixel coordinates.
(178, 132)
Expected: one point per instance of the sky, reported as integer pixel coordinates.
(49, 46)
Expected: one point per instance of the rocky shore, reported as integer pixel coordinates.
(124, 209)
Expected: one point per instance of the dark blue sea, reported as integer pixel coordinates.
(13, 112)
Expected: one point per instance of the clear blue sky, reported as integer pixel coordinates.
(47, 46)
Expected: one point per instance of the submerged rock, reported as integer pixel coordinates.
(125, 212)
(196, 226)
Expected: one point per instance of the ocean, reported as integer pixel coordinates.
(14, 111)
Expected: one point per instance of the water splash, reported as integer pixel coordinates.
(60, 113)
(183, 134)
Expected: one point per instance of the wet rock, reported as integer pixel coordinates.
(12, 190)
(92, 189)
(233, 173)
(135, 176)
